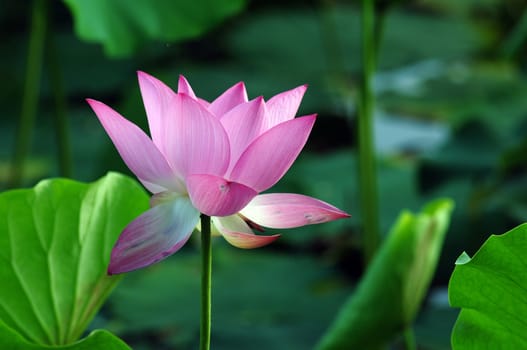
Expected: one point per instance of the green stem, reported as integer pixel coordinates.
(61, 120)
(367, 159)
(206, 274)
(378, 29)
(31, 92)
(409, 339)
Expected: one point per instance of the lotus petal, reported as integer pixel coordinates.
(153, 236)
(215, 196)
(157, 99)
(198, 144)
(287, 210)
(137, 150)
(268, 158)
(243, 124)
(239, 234)
(185, 88)
(283, 107)
(228, 100)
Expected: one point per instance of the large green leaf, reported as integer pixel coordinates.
(391, 292)
(99, 339)
(122, 26)
(490, 290)
(55, 244)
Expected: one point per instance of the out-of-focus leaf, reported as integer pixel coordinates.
(460, 7)
(407, 38)
(509, 199)
(461, 191)
(465, 92)
(99, 339)
(472, 152)
(516, 39)
(490, 290)
(98, 76)
(55, 243)
(261, 301)
(391, 292)
(294, 42)
(122, 27)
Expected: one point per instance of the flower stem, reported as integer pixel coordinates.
(409, 339)
(367, 159)
(206, 274)
(31, 92)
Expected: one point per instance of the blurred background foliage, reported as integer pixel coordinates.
(450, 121)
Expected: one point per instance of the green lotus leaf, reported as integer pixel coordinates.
(122, 26)
(490, 288)
(99, 339)
(55, 244)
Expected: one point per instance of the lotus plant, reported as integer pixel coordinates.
(214, 159)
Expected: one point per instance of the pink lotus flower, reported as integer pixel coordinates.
(211, 158)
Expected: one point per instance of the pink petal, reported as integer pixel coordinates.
(157, 98)
(229, 99)
(283, 107)
(243, 124)
(239, 234)
(215, 196)
(197, 144)
(287, 210)
(268, 158)
(185, 88)
(156, 234)
(155, 188)
(137, 150)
